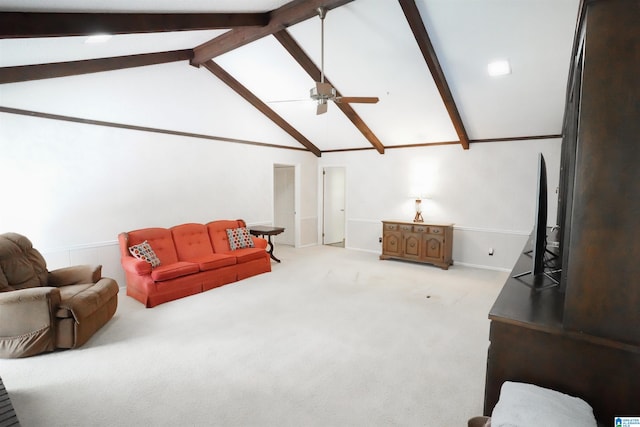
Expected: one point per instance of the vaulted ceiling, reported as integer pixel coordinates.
(241, 70)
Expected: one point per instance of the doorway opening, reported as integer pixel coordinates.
(333, 206)
(284, 203)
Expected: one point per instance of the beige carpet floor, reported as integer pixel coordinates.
(331, 337)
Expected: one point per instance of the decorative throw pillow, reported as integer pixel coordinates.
(144, 252)
(239, 238)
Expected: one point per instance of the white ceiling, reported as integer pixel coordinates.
(369, 51)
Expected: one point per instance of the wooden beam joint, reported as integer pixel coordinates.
(241, 90)
(290, 14)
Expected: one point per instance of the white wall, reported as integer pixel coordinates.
(71, 188)
(488, 192)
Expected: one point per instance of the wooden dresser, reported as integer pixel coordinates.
(421, 242)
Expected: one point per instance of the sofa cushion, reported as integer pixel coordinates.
(144, 252)
(160, 240)
(191, 241)
(213, 261)
(171, 271)
(248, 254)
(239, 238)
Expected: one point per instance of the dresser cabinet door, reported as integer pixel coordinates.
(433, 247)
(412, 245)
(392, 243)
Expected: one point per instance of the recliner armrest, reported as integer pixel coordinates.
(27, 310)
(82, 304)
(74, 275)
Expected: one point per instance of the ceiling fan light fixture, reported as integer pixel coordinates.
(322, 107)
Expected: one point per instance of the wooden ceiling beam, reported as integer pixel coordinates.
(241, 90)
(57, 24)
(290, 14)
(314, 72)
(414, 19)
(115, 125)
(23, 73)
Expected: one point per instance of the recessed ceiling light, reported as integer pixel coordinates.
(98, 38)
(499, 68)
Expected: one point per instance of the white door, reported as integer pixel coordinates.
(334, 202)
(284, 203)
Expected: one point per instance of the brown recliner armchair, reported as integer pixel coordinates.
(43, 310)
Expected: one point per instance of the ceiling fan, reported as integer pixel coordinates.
(322, 91)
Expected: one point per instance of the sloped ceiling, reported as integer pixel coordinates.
(370, 50)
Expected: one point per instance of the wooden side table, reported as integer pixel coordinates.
(263, 230)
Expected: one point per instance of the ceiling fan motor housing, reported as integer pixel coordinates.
(322, 91)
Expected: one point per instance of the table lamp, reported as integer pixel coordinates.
(418, 217)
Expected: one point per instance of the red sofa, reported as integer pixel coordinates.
(193, 258)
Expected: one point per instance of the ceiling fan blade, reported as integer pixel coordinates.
(358, 99)
(279, 101)
(322, 108)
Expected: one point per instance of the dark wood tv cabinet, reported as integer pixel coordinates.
(528, 343)
(583, 337)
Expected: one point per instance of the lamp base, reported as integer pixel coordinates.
(418, 217)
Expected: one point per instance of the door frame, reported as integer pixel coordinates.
(321, 201)
(296, 199)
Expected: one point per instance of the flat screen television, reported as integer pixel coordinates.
(540, 224)
(537, 277)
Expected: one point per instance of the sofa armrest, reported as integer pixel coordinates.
(259, 242)
(27, 310)
(74, 275)
(136, 266)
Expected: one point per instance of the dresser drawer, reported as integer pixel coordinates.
(406, 227)
(436, 230)
(420, 228)
(391, 227)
